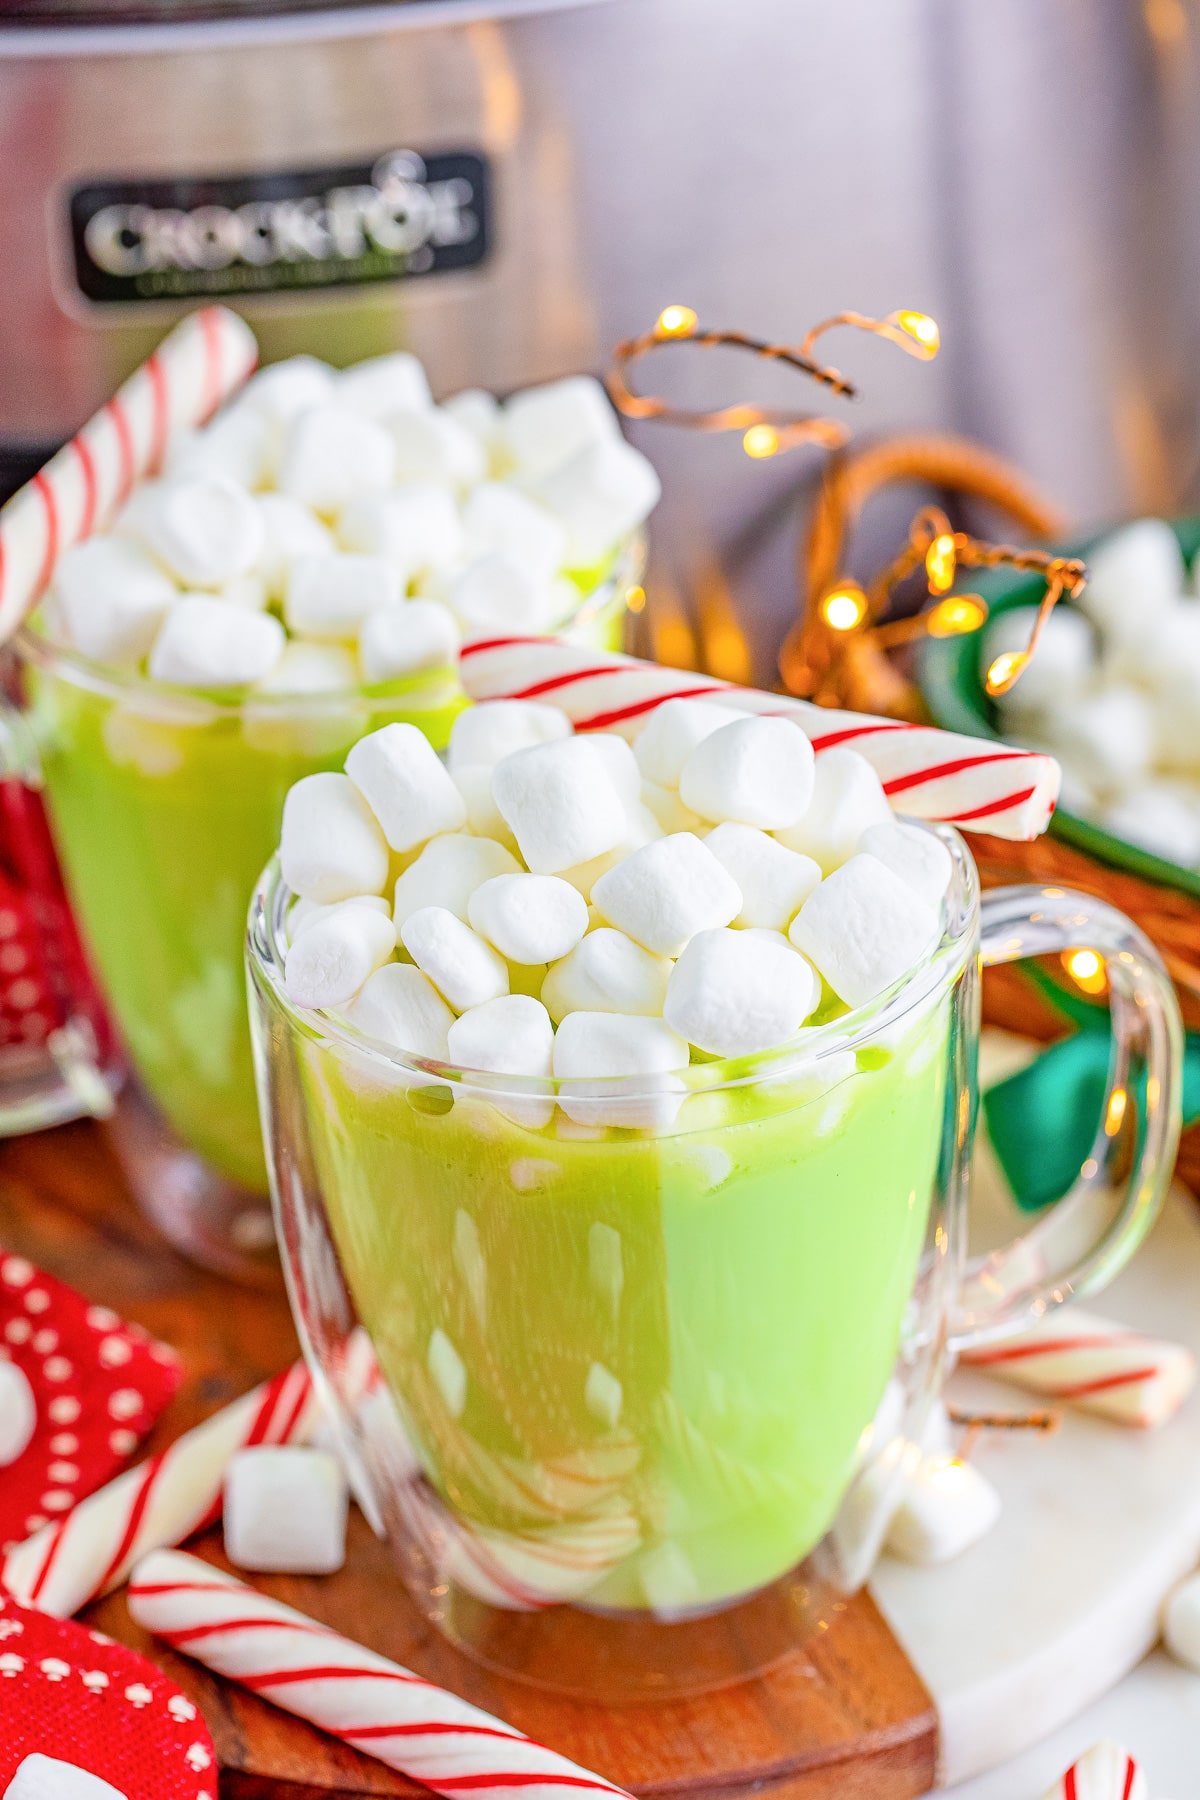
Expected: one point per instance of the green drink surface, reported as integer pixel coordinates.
(677, 1338)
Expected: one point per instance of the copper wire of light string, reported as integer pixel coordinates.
(974, 1424)
(766, 430)
(933, 541)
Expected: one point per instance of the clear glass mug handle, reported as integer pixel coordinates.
(1080, 1243)
(66, 1075)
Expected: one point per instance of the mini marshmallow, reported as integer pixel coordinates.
(290, 530)
(400, 1007)
(474, 783)
(460, 964)
(607, 972)
(529, 918)
(499, 518)
(432, 446)
(774, 881)
(497, 590)
(672, 732)
(752, 771)
(18, 1413)
(238, 445)
(478, 412)
(669, 810)
(332, 956)
(664, 893)
(203, 528)
(404, 639)
(1181, 1623)
(307, 912)
(330, 846)
(1109, 735)
(563, 802)
(547, 426)
(736, 992)
(601, 495)
(1066, 655)
(593, 1050)
(447, 872)
(380, 385)
(487, 733)
(864, 928)
(39, 1777)
(112, 598)
(285, 389)
(311, 668)
(403, 781)
(205, 643)
(917, 856)
(330, 596)
(285, 1510)
(511, 1036)
(847, 798)
(947, 1506)
(1132, 577)
(331, 453)
(415, 528)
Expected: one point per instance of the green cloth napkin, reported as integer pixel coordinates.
(1042, 1121)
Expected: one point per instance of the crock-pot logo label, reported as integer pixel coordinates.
(402, 215)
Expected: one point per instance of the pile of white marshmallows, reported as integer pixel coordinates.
(1114, 692)
(576, 908)
(336, 527)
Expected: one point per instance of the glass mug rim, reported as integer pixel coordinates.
(205, 705)
(934, 975)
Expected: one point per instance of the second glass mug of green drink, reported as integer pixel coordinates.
(165, 803)
(646, 1389)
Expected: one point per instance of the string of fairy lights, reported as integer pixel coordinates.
(845, 607)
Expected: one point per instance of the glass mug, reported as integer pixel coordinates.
(165, 804)
(652, 1364)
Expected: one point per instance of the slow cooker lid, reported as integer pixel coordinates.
(73, 27)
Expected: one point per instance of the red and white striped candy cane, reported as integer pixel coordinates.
(368, 1702)
(1105, 1772)
(1088, 1361)
(161, 1501)
(204, 360)
(974, 783)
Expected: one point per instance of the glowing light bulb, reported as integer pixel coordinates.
(927, 339)
(844, 608)
(1086, 970)
(761, 441)
(966, 612)
(1005, 671)
(676, 321)
(941, 563)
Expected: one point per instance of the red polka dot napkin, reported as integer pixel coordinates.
(99, 1384)
(73, 1694)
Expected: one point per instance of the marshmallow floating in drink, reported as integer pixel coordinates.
(347, 509)
(1114, 691)
(560, 948)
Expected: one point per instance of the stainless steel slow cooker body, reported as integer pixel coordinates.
(353, 179)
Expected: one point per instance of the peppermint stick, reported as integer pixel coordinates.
(372, 1704)
(974, 783)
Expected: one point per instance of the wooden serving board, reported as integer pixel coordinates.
(847, 1716)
